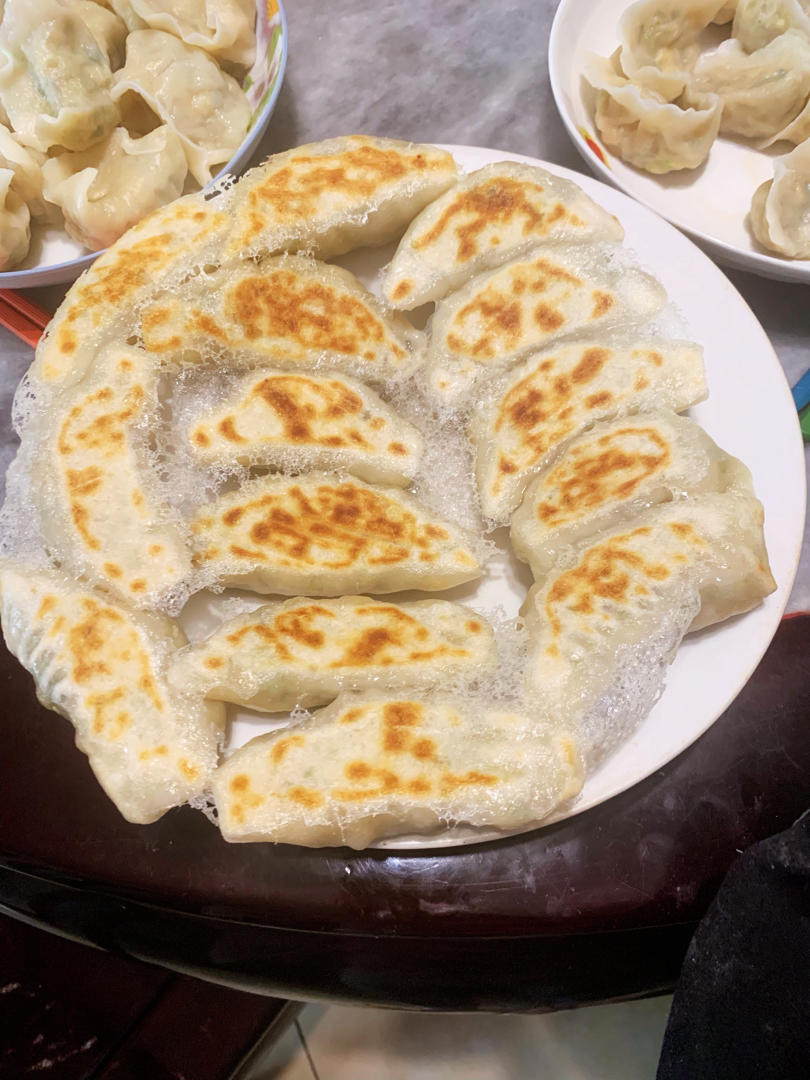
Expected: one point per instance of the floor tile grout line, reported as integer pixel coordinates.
(305, 1048)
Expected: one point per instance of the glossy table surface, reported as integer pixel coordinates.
(595, 908)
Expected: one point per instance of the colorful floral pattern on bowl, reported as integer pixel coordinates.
(271, 49)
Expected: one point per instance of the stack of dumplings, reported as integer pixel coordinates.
(666, 93)
(260, 438)
(110, 110)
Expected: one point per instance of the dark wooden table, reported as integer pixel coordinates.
(75, 1013)
(597, 908)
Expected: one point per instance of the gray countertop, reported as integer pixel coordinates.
(456, 71)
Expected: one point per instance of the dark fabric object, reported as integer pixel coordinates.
(742, 1005)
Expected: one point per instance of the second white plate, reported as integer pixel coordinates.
(710, 203)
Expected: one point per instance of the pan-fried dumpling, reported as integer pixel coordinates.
(99, 307)
(607, 476)
(54, 80)
(756, 22)
(106, 189)
(500, 317)
(665, 35)
(223, 28)
(490, 216)
(761, 92)
(103, 667)
(305, 652)
(645, 129)
(554, 396)
(15, 223)
(374, 765)
(780, 209)
(99, 516)
(324, 535)
(302, 422)
(291, 311)
(190, 93)
(704, 555)
(329, 197)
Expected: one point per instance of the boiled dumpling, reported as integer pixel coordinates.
(489, 217)
(646, 130)
(103, 667)
(329, 197)
(323, 535)
(500, 317)
(101, 514)
(686, 564)
(374, 765)
(780, 209)
(55, 83)
(302, 422)
(305, 652)
(108, 188)
(26, 164)
(756, 22)
(223, 28)
(290, 311)
(609, 474)
(109, 32)
(664, 35)
(15, 223)
(761, 92)
(538, 408)
(183, 86)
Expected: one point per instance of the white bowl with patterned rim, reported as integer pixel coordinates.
(54, 257)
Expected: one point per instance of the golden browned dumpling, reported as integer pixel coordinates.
(490, 216)
(100, 306)
(292, 312)
(534, 411)
(103, 667)
(326, 536)
(101, 512)
(376, 765)
(605, 477)
(305, 652)
(502, 316)
(703, 556)
(329, 197)
(301, 422)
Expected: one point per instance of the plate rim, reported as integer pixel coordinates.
(62, 273)
(755, 262)
(464, 836)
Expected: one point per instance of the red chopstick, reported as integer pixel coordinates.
(22, 317)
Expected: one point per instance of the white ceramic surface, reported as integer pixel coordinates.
(749, 413)
(54, 258)
(710, 203)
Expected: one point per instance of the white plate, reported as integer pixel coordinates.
(710, 203)
(750, 413)
(54, 257)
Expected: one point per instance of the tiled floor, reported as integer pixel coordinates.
(607, 1042)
